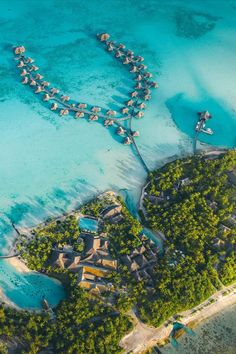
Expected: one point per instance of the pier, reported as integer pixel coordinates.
(62, 104)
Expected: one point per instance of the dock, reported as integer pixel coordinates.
(64, 106)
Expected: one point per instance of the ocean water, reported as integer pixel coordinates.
(217, 335)
(50, 164)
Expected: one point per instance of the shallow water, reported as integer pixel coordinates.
(49, 164)
(217, 335)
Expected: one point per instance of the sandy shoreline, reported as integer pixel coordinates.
(18, 264)
(144, 337)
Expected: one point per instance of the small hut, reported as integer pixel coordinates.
(118, 54)
(38, 89)
(147, 97)
(110, 112)
(154, 84)
(134, 69)
(134, 94)
(54, 91)
(142, 105)
(82, 105)
(96, 109)
(139, 114)
(33, 82)
(54, 106)
(138, 78)
(121, 46)
(64, 112)
(139, 58)
(130, 103)
(127, 141)
(147, 74)
(120, 131)
(20, 64)
(138, 86)
(103, 37)
(126, 61)
(19, 50)
(23, 72)
(125, 110)
(147, 91)
(129, 53)
(25, 80)
(29, 60)
(108, 122)
(46, 97)
(93, 117)
(135, 133)
(65, 98)
(45, 83)
(110, 48)
(38, 76)
(34, 67)
(79, 114)
(142, 67)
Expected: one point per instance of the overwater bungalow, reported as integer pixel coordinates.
(38, 89)
(147, 97)
(139, 58)
(147, 74)
(25, 80)
(118, 54)
(54, 91)
(33, 82)
(121, 46)
(126, 61)
(45, 83)
(134, 69)
(120, 131)
(138, 78)
(103, 37)
(139, 114)
(108, 122)
(79, 114)
(125, 110)
(82, 105)
(64, 112)
(147, 91)
(110, 48)
(23, 72)
(96, 109)
(46, 97)
(19, 50)
(142, 67)
(20, 64)
(138, 86)
(205, 115)
(154, 84)
(135, 133)
(110, 112)
(34, 68)
(142, 105)
(65, 98)
(38, 76)
(93, 117)
(134, 94)
(127, 141)
(29, 60)
(130, 103)
(54, 106)
(129, 53)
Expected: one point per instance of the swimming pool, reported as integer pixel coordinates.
(88, 224)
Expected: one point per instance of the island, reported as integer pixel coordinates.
(122, 288)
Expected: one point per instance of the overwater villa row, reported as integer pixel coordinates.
(62, 104)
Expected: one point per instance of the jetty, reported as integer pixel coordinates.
(64, 106)
(204, 116)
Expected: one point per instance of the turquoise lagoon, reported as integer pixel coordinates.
(49, 164)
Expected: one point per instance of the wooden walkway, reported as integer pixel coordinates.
(142, 91)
